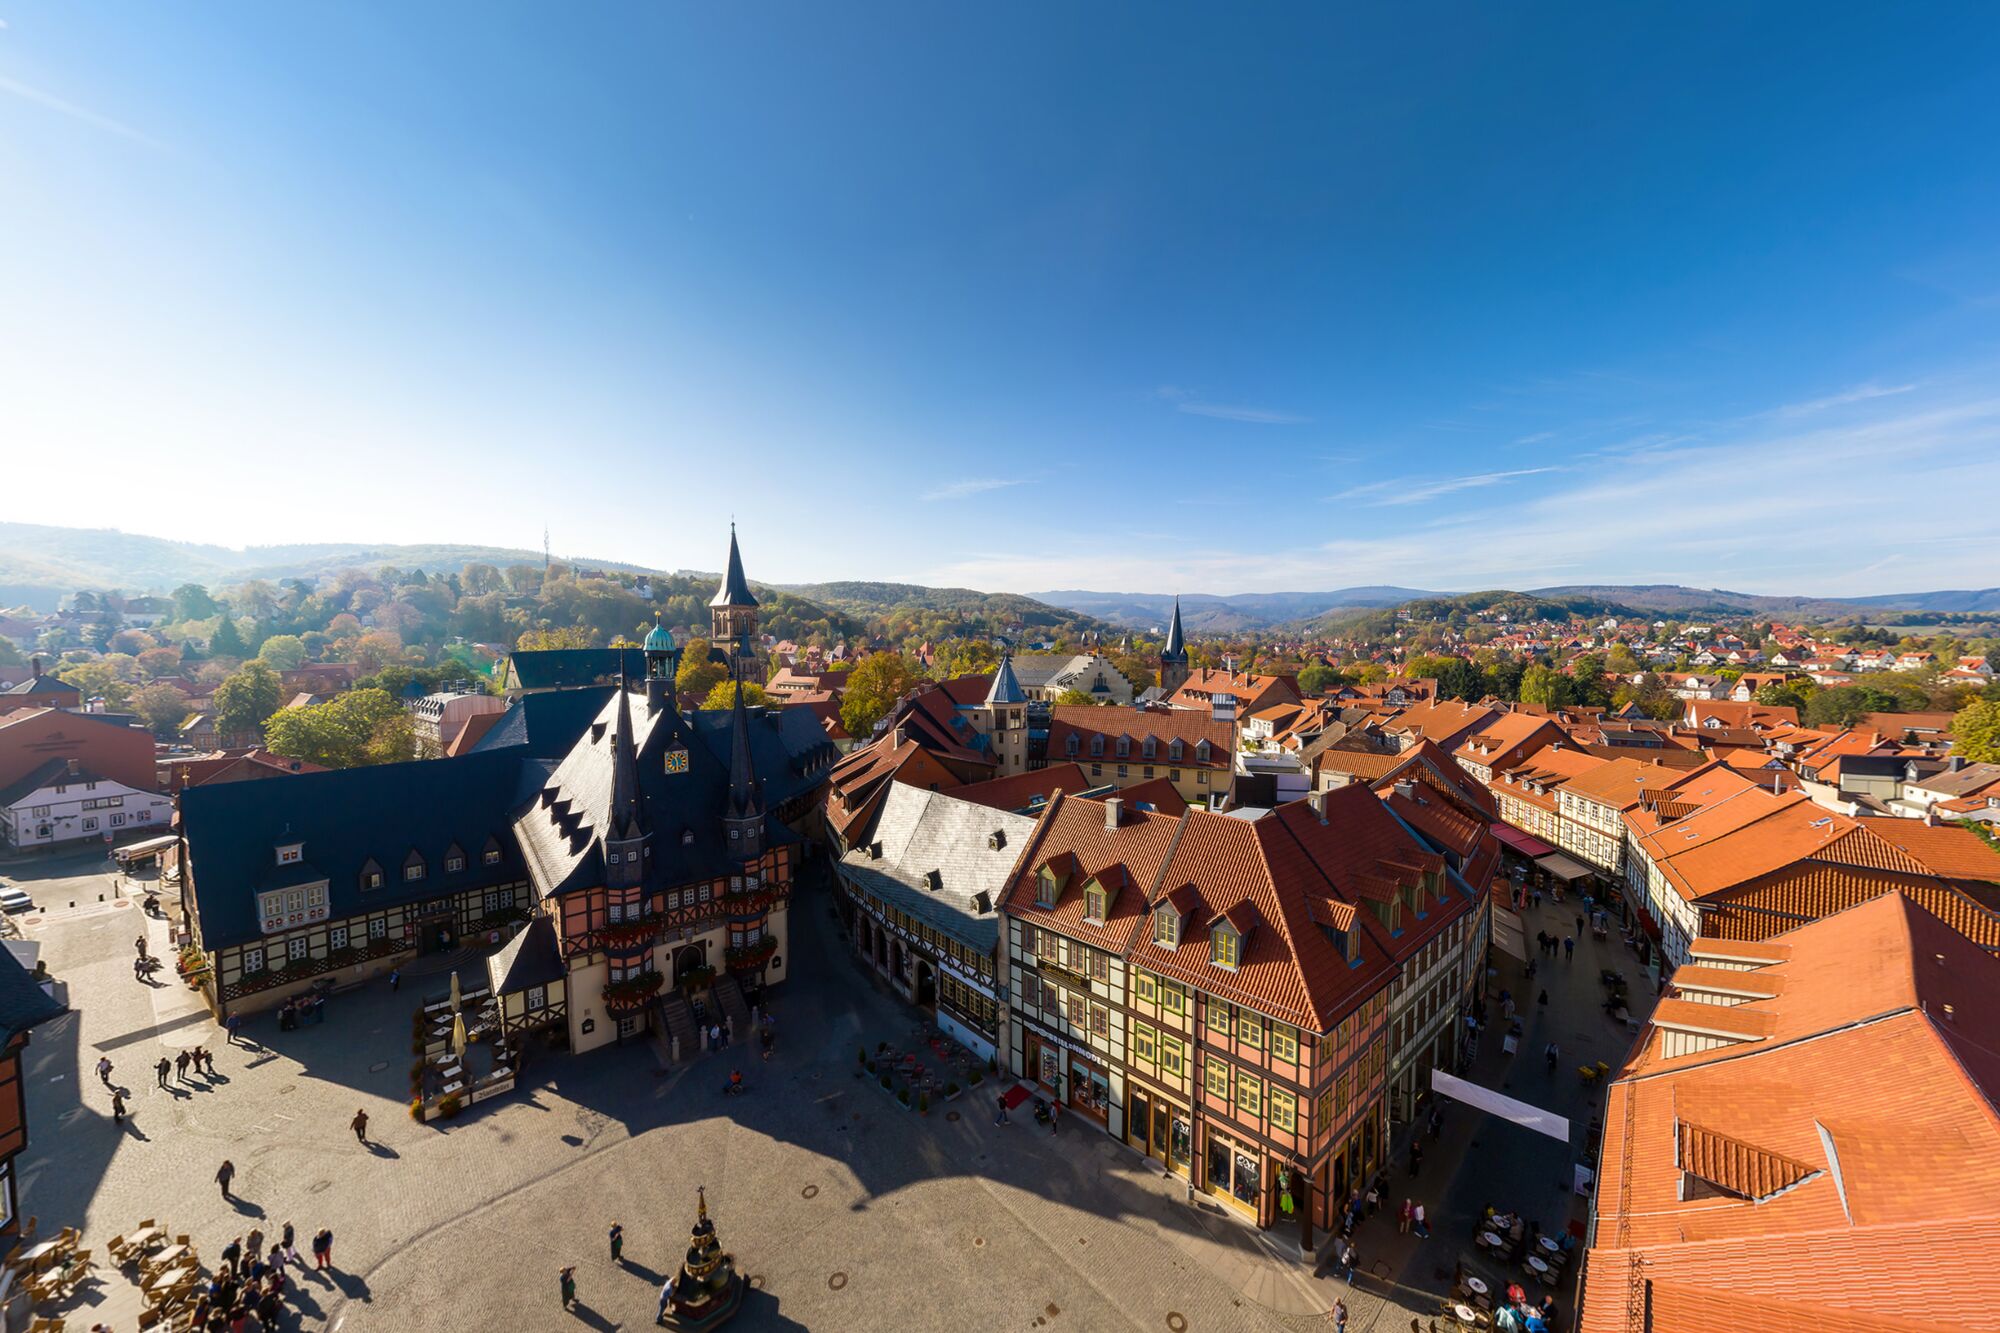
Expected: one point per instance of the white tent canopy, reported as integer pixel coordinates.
(1493, 1103)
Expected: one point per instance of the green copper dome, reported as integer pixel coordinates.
(660, 640)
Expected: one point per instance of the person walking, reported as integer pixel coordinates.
(117, 1107)
(1579, 925)
(1569, 948)
(162, 1069)
(104, 1069)
(1055, 1117)
(1374, 1200)
(253, 1247)
(1403, 1222)
(322, 1248)
(1001, 1118)
(566, 1283)
(1543, 999)
(1416, 1158)
(234, 1027)
(140, 945)
(617, 1241)
(224, 1174)
(1348, 1258)
(395, 979)
(1340, 1314)
(288, 1241)
(1423, 1228)
(206, 1059)
(359, 1125)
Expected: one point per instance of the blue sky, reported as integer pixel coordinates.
(1145, 297)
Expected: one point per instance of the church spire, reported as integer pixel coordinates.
(1176, 649)
(735, 589)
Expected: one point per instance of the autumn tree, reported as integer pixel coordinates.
(1076, 699)
(161, 707)
(283, 651)
(873, 687)
(562, 636)
(1317, 679)
(1545, 685)
(1976, 732)
(246, 699)
(342, 733)
(698, 675)
(723, 695)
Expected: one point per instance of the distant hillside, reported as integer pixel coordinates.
(1205, 613)
(39, 564)
(951, 610)
(1682, 601)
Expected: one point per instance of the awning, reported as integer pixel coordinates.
(1494, 1103)
(1521, 842)
(1563, 868)
(1509, 934)
(139, 851)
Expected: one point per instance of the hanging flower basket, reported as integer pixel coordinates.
(633, 993)
(694, 978)
(750, 956)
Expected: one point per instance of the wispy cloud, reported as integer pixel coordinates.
(1184, 401)
(50, 102)
(1860, 394)
(971, 486)
(1411, 490)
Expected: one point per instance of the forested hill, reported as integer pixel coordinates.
(912, 610)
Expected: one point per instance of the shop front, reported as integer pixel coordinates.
(1233, 1171)
(1160, 1129)
(1089, 1090)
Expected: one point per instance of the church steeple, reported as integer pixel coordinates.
(1174, 657)
(732, 612)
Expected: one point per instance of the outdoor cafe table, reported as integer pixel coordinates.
(169, 1279)
(1535, 1262)
(1466, 1315)
(166, 1258)
(1550, 1244)
(145, 1236)
(31, 1258)
(1475, 1286)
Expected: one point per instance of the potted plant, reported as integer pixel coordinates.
(923, 1103)
(449, 1105)
(976, 1077)
(885, 1080)
(416, 1108)
(952, 1092)
(903, 1096)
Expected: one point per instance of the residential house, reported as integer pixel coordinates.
(1126, 746)
(30, 738)
(39, 690)
(23, 1006)
(61, 801)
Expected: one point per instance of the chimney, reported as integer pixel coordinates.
(36, 664)
(1114, 806)
(1406, 789)
(1931, 816)
(1318, 803)
(1955, 763)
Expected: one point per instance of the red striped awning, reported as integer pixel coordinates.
(1521, 842)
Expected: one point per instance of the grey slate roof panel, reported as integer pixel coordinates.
(921, 831)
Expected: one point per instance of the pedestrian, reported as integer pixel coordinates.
(617, 1241)
(359, 1125)
(253, 1248)
(1538, 895)
(1374, 1201)
(1423, 1227)
(289, 1240)
(1552, 1053)
(104, 1069)
(1409, 1211)
(395, 979)
(234, 1026)
(232, 1252)
(322, 1248)
(1437, 1122)
(224, 1174)
(181, 1063)
(666, 1301)
(117, 1107)
(1001, 1118)
(566, 1280)
(162, 1069)
(1416, 1157)
(1543, 999)
(714, 1037)
(1569, 948)
(207, 1058)
(1579, 923)
(140, 945)
(1348, 1258)
(1340, 1315)
(1055, 1117)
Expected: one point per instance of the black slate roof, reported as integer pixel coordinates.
(346, 819)
(566, 668)
(531, 958)
(548, 723)
(22, 1003)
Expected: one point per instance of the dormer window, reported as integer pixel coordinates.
(1225, 946)
(1166, 927)
(371, 874)
(413, 867)
(1047, 886)
(1124, 746)
(1201, 752)
(1151, 747)
(491, 856)
(1097, 745)
(1095, 900)
(291, 853)
(1071, 745)
(1176, 750)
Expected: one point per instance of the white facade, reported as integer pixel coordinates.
(79, 809)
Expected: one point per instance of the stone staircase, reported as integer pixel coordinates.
(679, 1024)
(725, 993)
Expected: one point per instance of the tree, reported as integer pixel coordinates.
(1137, 669)
(246, 699)
(227, 641)
(1840, 706)
(1976, 732)
(1317, 679)
(98, 680)
(697, 675)
(283, 651)
(564, 636)
(162, 707)
(341, 733)
(1076, 699)
(723, 695)
(9, 654)
(1785, 694)
(1546, 686)
(873, 687)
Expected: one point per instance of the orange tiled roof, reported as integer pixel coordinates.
(1948, 850)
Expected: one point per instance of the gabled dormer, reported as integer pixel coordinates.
(1124, 747)
(1202, 750)
(1097, 747)
(1176, 750)
(1072, 744)
(1229, 936)
(289, 853)
(414, 867)
(1170, 916)
(1052, 877)
(371, 874)
(454, 859)
(489, 855)
(1096, 901)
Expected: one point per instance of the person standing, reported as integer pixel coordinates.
(224, 1174)
(1423, 1228)
(162, 1069)
(359, 1125)
(666, 1300)
(1403, 1221)
(1055, 1117)
(104, 1069)
(566, 1282)
(395, 979)
(1569, 948)
(253, 1248)
(617, 1241)
(322, 1248)
(1001, 1118)
(1340, 1315)
(1543, 999)
(288, 1239)
(117, 1107)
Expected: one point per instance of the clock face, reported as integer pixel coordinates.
(677, 760)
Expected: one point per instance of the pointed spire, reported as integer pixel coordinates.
(625, 812)
(1176, 649)
(735, 589)
(1006, 687)
(746, 794)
